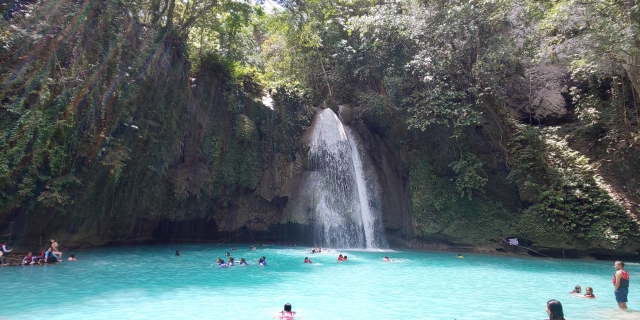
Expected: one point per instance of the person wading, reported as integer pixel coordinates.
(621, 285)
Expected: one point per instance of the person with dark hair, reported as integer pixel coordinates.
(621, 284)
(262, 261)
(576, 290)
(230, 262)
(227, 253)
(221, 263)
(177, 253)
(589, 293)
(554, 310)
(307, 260)
(4, 249)
(243, 262)
(340, 258)
(72, 257)
(345, 257)
(287, 313)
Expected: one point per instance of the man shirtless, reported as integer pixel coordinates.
(54, 247)
(621, 285)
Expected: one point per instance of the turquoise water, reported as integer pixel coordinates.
(149, 282)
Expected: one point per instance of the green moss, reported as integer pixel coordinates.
(440, 212)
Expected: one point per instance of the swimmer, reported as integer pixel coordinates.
(262, 261)
(177, 253)
(345, 257)
(286, 313)
(227, 254)
(233, 249)
(253, 248)
(554, 310)
(460, 256)
(72, 257)
(386, 259)
(221, 263)
(243, 262)
(230, 262)
(307, 260)
(589, 293)
(576, 290)
(340, 258)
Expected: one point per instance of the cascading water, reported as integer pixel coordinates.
(346, 214)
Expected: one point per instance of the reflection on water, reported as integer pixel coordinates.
(150, 282)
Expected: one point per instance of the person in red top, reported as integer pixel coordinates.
(340, 258)
(621, 285)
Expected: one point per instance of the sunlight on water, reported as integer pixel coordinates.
(149, 282)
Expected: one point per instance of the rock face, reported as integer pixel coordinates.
(540, 95)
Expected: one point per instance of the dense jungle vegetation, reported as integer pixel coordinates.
(511, 118)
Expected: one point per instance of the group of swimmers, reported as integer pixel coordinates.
(578, 290)
(620, 289)
(50, 255)
(231, 262)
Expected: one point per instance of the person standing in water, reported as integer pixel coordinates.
(554, 310)
(621, 284)
(54, 248)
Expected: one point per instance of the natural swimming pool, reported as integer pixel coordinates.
(145, 282)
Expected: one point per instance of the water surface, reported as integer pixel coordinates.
(147, 282)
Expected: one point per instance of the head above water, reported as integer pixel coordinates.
(619, 265)
(589, 290)
(578, 288)
(287, 307)
(72, 255)
(554, 309)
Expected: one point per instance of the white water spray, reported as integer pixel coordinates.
(344, 215)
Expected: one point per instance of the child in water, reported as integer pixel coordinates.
(340, 258)
(286, 313)
(243, 262)
(72, 257)
(221, 263)
(589, 293)
(576, 290)
(307, 260)
(230, 263)
(262, 261)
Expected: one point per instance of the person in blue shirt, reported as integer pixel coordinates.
(50, 257)
(262, 261)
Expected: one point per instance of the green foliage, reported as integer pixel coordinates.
(568, 194)
(470, 176)
(440, 213)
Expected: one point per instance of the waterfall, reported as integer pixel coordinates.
(344, 203)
